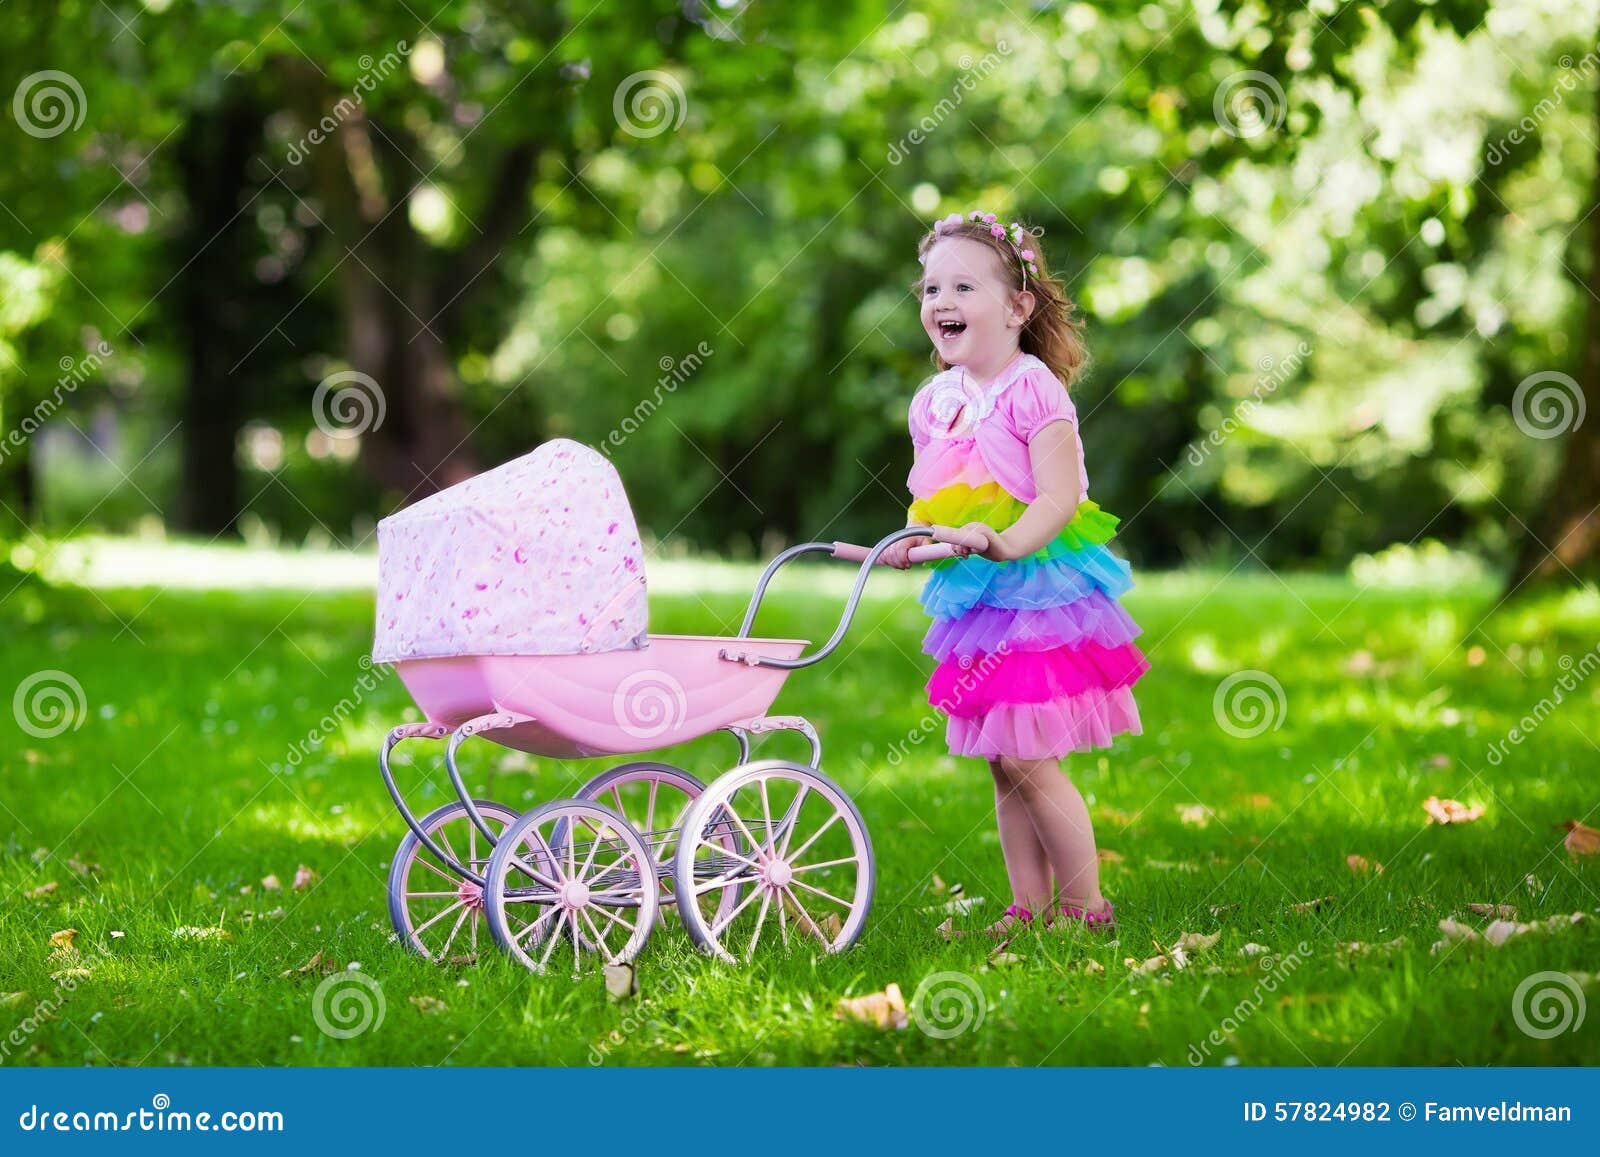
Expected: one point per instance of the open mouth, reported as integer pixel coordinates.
(952, 329)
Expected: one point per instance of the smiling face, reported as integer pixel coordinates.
(970, 310)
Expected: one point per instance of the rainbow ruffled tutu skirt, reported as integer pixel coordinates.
(1036, 656)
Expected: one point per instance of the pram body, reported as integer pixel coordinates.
(513, 607)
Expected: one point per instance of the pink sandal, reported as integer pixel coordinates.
(1106, 919)
(1022, 915)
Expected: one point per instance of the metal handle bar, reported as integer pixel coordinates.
(870, 559)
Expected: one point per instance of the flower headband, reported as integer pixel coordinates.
(1015, 233)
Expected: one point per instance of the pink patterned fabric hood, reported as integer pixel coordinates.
(540, 556)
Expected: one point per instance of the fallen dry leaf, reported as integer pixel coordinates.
(1194, 814)
(947, 930)
(1450, 811)
(884, 1010)
(1258, 801)
(1219, 909)
(1107, 856)
(207, 932)
(1194, 943)
(1500, 911)
(1360, 948)
(1091, 966)
(315, 964)
(1360, 865)
(1311, 905)
(63, 939)
(271, 884)
(82, 868)
(41, 891)
(1455, 930)
(430, 1005)
(304, 877)
(1000, 958)
(622, 982)
(78, 973)
(13, 999)
(1582, 840)
(1253, 949)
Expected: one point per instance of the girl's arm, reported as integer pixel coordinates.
(1053, 454)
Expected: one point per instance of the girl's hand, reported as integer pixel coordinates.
(999, 548)
(897, 553)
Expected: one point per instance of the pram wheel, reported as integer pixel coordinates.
(433, 909)
(654, 797)
(571, 865)
(798, 844)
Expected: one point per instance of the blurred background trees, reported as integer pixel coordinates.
(277, 269)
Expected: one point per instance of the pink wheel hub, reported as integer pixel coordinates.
(574, 895)
(777, 874)
(470, 894)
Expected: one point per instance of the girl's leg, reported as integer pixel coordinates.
(1061, 821)
(1027, 866)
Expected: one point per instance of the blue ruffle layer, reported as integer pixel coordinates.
(956, 587)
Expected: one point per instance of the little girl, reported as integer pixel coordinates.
(1036, 656)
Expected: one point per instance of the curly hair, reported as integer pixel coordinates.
(1053, 333)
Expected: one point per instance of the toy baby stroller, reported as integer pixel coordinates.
(513, 607)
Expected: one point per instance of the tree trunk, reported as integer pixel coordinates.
(1564, 538)
(213, 292)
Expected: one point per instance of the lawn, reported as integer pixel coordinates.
(150, 826)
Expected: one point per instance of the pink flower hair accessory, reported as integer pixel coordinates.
(1016, 233)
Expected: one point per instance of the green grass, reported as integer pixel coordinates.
(177, 785)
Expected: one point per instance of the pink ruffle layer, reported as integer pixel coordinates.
(970, 687)
(1047, 730)
(1095, 618)
(947, 462)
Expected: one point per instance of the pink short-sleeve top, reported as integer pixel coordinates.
(951, 415)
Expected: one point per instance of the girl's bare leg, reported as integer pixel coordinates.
(1063, 828)
(1027, 865)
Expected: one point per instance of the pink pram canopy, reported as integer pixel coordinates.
(540, 556)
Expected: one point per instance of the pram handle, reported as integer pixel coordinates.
(948, 538)
(868, 559)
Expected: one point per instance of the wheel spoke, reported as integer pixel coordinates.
(532, 924)
(555, 938)
(594, 849)
(766, 815)
(435, 869)
(432, 920)
(797, 869)
(815, 836)
(792, 819)
(431, 895)
(599, 937)
(716, 929)
(811, 925)
(761, 918)
(527, 869)
(614, 918)
(466, 912)
(650, 808)
(733, 815)
(825, 895)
